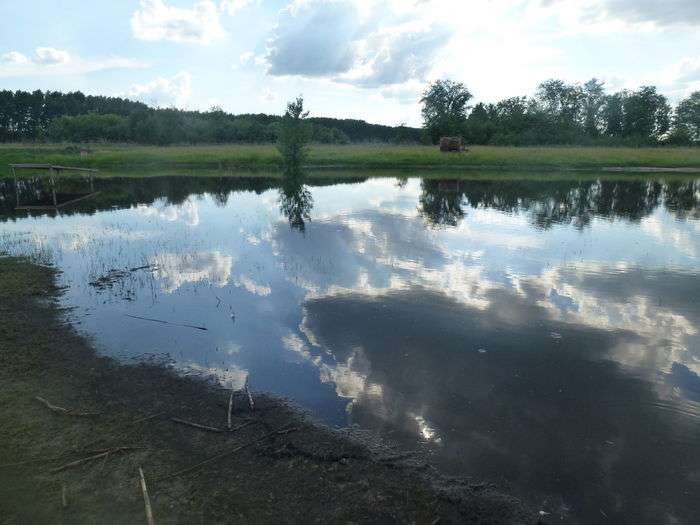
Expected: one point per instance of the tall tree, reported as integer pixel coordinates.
(688, 115)
(593, 103)
(445, 108)
(647, 115)
(294, 135)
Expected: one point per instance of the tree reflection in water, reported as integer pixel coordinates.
(295, 200)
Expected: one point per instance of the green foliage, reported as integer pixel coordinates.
(89, 128)
(687, 116)
(28, 116)
(445, 108)
(294, 135)
(562, 113)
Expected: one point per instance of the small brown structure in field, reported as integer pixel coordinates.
(451, 144)
(55, 200)
(84, 153)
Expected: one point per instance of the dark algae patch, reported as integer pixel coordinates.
(81, 464)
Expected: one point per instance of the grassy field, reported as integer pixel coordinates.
(121, 157)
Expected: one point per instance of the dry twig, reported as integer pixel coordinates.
(146, 499)
(283, 430)
(195, 425)
(65, 411)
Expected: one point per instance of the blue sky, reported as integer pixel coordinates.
(366, 59)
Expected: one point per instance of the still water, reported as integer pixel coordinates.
(540, 333)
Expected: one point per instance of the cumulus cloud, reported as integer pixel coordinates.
(364, 43)
(401, 56)
(165, 92)
(155, 20)
(316, 38)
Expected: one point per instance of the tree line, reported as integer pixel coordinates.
(76, 117)
(562, 113)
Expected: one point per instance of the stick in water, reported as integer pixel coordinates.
(146, 499)
(250, 396)
(64, 497)
(230, 408)
(167, 322)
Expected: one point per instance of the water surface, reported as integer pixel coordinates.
(540, 333)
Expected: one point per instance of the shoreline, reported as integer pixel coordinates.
(276, 466)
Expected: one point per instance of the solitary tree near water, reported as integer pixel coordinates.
(294, 135)
(445, 108)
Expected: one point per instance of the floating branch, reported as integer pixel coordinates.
(65, 411)
(167, 322)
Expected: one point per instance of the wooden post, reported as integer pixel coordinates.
(53, 187)
(14, 174)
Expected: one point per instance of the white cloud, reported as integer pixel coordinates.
(164, 92)
(15, 57)
(360, 42)
(52, 61)
(50, 56)
(233, 6)
(155, 20)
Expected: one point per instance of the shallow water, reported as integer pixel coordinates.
(539, 333)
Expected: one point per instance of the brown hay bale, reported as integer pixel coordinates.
(451, 144)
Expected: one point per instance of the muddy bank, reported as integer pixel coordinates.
(275, 466)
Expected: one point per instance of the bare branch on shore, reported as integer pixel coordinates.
(81, 461)
(64, 411)
(284, 430)
(146, 499)
(195, 425)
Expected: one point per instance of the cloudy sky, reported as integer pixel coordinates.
(367, 59)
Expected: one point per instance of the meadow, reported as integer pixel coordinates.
(367, 156)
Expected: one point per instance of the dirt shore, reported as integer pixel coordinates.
(276, 466)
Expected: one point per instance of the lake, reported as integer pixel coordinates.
(537, 332)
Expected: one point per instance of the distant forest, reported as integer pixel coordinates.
(75, 117)
(558, 114)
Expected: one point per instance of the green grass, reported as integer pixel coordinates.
(124, 157)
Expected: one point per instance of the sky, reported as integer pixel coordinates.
(366, 59)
